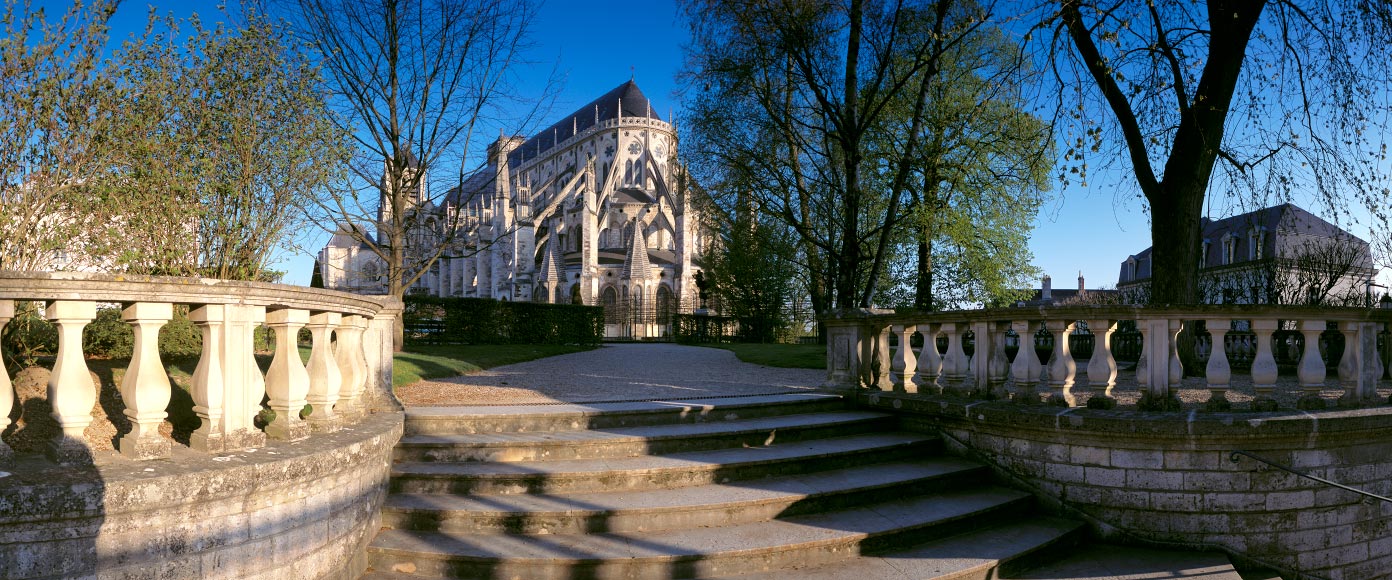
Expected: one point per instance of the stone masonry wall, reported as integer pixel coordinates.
(1168, 478)
(288, 510)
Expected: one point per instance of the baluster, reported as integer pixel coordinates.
(955, 361)
(1219, 372)
(251, 383)
(287, 381)
(1348, 363)
(875, 372)
(1143, 360)
(71, 391)
(145, 388)
(999, 365)
(1102, 367)
(1311, 370)
(325, 380)
(1176, 367)
(1026, 368)
(352, 365)
(981, 358)
(1062, 368)
(902, 367)
(929, 361)
(208, 391)
(1264, 365)
(7, 396)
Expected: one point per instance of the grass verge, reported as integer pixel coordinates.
(435, 361)
(792, 356)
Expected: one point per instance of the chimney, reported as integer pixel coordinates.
(1048, 292)
(1080, 282)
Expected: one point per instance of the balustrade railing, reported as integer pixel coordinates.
(979, 351)
(348, 373)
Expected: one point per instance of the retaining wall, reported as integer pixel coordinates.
(302, 509)
(1167, 478)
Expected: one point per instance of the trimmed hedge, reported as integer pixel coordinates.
(434, 320)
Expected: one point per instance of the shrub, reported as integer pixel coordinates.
(432, 320)
(27, 337)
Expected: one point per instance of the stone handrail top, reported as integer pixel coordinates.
(121, 288)
(1114, 312)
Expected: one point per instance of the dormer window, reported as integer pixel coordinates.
(1256, 239)
(1229, 249)
(1203, 255)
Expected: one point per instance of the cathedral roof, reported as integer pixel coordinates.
(605, 108)
(475, 186)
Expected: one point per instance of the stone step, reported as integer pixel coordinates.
(988, 553)
(660, 471)
(635, 441)
(581, 416)
(1112, 562)
(688, 507)
(799, 541)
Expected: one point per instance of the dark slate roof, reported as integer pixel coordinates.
(479, 182)
(635, 104)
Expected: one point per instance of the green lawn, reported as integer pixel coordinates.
(449, 360)
(796, 356)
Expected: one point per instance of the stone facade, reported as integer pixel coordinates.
(591, 210)
(1277, 255)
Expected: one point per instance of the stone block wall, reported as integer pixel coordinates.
(287, 510)
(1167, 479)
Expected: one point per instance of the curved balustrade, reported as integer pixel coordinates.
(858, 341)
(349, 370)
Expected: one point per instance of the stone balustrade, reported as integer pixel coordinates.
(348, 374)
(872, 349)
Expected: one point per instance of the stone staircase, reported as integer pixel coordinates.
(767, 487)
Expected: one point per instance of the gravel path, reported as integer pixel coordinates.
(615, 372)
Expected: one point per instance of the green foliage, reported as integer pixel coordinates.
(752, 277)
(27, 337)
(431, 319)
(703, 329)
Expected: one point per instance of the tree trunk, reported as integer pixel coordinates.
(923, 293)
(1176, 241)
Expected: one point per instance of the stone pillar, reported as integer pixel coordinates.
(7, 396)
(843, 359)
(1102, 367)
(1143, 360)
(1311, 370)
(1026, 368)
(352, 366)
(71, 391)
(208, 390)
(325, 380)
(1063, 369)
(145, 388)
(377, 347)
(243, 382)
(874, 345)
(929, 360)
(1218, 371)
(1368, 365)
(287, 381)
(1157, 349)
(901, 370)
(1264, 366)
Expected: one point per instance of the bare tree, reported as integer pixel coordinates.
(1253, 97)
(1307, 270)
(414, 83)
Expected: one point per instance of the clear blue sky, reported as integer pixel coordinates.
(593, 46)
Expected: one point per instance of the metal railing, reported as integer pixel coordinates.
(1234, 458)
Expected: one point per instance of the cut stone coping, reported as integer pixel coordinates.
(121, 288)
(1230, 427)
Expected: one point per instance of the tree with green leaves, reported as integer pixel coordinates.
(56, 102)
(752, 272)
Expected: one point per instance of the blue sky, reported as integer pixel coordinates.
(593, 46)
